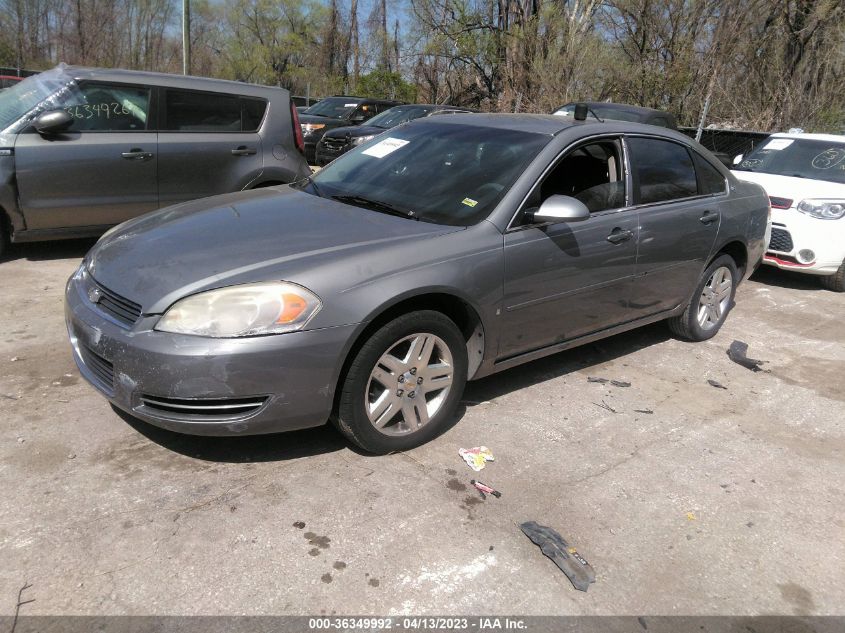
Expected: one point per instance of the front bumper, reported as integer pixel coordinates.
(793, 231)
(205, 386)
(327, 152)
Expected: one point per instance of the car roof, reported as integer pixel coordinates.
(550, 124)
(834, 138)
(373, 99)
(165, 79)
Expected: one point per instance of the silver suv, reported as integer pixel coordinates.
(84, 149)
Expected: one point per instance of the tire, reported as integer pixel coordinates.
(383, 418)
(706, 311)
(836, 281)
(4, 236)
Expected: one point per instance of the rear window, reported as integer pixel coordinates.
(710, 180)
(190, 111)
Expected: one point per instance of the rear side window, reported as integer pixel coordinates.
(710, 181)
(100, 107)
(662, 170)
(189, 111)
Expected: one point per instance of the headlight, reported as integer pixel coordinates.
(360, 140)
(823, 209)
(312, 127)
(246, 310)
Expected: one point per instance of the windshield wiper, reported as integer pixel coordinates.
(309, 180)
(376, 205)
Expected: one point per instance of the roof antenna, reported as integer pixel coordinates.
(581, 111)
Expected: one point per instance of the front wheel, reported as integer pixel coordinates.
(836, 281)
(710, 303)
(405, 383)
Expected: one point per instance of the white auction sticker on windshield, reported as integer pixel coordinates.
(778, 143)
(385, 147)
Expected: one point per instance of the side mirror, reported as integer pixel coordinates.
(52, 122)
(560, 209)
(738, 158)
(358, 118)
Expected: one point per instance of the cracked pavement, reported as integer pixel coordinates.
(721, 501)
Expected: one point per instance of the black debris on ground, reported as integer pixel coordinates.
(738, 351)
(566, 557)
(716, 383)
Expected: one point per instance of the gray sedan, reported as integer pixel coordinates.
(443, 251)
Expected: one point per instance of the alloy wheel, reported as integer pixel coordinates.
(715, 298)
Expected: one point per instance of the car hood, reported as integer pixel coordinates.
(355, 131)
(261, 235)
(795, 189)
(326, 120)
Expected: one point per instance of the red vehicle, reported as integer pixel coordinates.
(7, 81)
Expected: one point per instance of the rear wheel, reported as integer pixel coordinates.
(710, 303)
(836, 281)
(4, 236)
(404, 384)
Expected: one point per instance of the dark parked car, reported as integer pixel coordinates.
(83, 149)
(622, 112)
(340, 140)
(448, 249)
(334, 112)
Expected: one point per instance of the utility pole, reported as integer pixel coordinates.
(186, 37)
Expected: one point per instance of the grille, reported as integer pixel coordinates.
(102, 369)
(121, 309)
(781, 241)
(334, 144)
(205, 408)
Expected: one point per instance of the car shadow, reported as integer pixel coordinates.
(45, 251)
(566, 362)
(275, 447)
(325, 439)
(772, 276)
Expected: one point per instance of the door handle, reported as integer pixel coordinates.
(136, 153)
(617, 236)
(708, 217)
(243, 150)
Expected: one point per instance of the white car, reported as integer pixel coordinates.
(804, 175)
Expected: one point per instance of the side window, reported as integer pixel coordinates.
(662, 170)
(710, 181)
(189, 111)
(100, 107)
(367, 110)
(590, 173)
(252, 112)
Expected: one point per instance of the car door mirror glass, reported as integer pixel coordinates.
(558, 208)
(52, 122)
(738, 159)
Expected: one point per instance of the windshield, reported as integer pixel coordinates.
(30, 96)
(431, 171)
(801, 158)
(333, 107)
(399, 114)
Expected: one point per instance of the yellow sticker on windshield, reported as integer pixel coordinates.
(469, 202)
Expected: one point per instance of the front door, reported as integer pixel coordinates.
(101, 171)
(566, 280)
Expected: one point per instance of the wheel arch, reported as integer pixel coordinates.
(461, 311)
(738, 251)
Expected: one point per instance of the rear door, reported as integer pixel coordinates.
(679, 220)
(208, 144)
(101, 171)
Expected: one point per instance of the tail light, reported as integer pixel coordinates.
(779, 203)
(297, 129)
